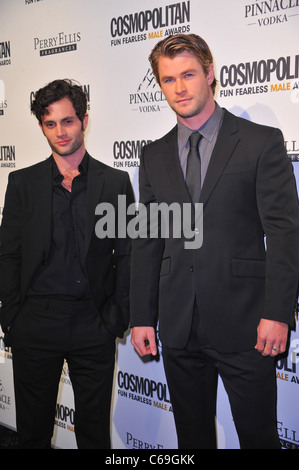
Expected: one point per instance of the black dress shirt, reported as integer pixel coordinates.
(64, 275)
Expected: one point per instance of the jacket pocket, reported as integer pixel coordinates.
(248, 267)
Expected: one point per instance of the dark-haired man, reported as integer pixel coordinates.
(64, 291)
(226, 306)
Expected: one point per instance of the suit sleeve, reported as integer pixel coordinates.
(278, 206)
(147, 253)
(116, 312)
(10, 256)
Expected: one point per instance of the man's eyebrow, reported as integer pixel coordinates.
(63, 119)
(182, 73)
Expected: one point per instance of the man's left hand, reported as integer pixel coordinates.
(271, 337)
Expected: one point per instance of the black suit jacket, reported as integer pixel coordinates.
(249, 191)
(26, 240)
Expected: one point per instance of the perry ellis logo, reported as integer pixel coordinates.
(3, 106)
(57, 44)
(292, 148)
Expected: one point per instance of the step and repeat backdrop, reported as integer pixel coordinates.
(105, 46)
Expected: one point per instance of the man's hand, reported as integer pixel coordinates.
(144, 340)
(271, 337)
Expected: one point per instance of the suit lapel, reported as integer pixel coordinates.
(173, 166)
(95, 186)
(43, 185)
(226, 143)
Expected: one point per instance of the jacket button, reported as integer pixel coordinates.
(191, 269)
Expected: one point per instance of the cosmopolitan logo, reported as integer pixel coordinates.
(127, 153)
(5, 53)
(284, 68)
(149, 24)
(282, 72)
(7, 156)
(143, 390)
(162, 17)
(65, 417)
(268, 13)
(57, 44)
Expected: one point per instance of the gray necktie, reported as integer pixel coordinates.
(193, 172)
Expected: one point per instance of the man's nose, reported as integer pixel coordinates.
(180, 86)
(60, 130)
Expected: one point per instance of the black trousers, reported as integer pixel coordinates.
(45, 333)
(249, 380)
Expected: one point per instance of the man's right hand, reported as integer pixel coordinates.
(144, 340)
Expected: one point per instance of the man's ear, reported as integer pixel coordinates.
(85, 121)
(211, 74)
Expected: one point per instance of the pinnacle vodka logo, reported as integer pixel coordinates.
(148, 98)
(271, 12)
(5, 399)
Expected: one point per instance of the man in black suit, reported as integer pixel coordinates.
(64, 290)
(224, 307)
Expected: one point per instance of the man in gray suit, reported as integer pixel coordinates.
(227, 306)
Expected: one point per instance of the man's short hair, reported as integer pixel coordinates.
(56, 91)
(176, 44)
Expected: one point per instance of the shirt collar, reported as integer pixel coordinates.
(83, 167)
(207, 130)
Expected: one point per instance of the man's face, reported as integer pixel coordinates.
(63, 129)
(185, 85)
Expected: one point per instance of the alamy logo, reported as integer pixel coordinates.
(155, 221)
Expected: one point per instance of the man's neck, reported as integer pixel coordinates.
(196, 122)
(68, 166)
(69, 163)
